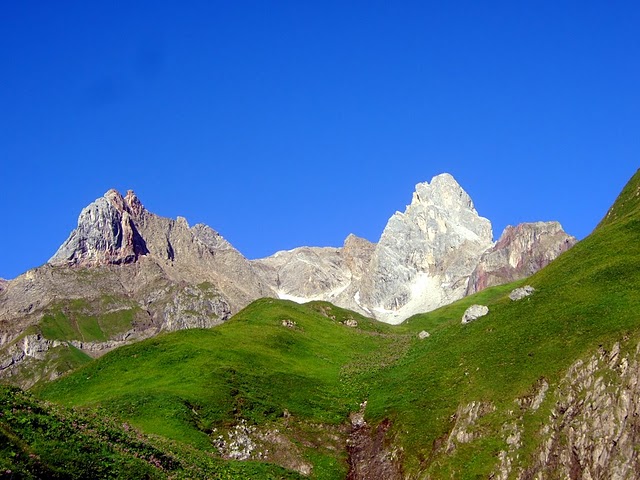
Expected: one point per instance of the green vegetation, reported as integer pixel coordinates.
(73, 320)
(187, 387)
(58, 360)
(183, 385)
(41, 440)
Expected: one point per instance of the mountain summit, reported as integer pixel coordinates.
(426, 254)
(106, 232)
(436, 252)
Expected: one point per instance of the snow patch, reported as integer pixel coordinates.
(325, 297)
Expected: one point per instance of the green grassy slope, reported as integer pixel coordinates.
(188, 385)
(73, 320)
(45, 441)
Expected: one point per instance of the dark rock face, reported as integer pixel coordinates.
(372, 454)
(520, 252)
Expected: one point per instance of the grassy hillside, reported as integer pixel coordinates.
(46, 441)
(186, 384)
(193, 387)
(72, 320)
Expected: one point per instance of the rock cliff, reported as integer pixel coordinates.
(106, 233)
(520, 252)
(117, 230)
(426, 254)
(315, 273)
(592, 429)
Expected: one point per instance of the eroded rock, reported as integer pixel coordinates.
(593, 428)
(371, 454)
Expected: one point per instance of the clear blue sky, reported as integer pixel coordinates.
(282, 124)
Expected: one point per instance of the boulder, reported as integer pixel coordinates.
(423, 334)
(474, 312)
(522, 292)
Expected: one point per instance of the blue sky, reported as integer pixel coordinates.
(282, 124)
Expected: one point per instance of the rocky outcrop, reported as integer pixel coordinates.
(466, 417)
(106, 233)
(593, 428)
(34, 346)
(520, 252)
(306, 273)
(193, 307)
(316, 273)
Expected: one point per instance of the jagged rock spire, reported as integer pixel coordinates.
(106, 232)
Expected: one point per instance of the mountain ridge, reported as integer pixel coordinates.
(154, 274)
(426, 257)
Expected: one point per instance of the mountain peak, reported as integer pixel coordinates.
(444, 192)
(133, 202)
(105, 233)
(426, 253)
(129, 203)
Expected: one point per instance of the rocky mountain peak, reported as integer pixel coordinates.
(106, 233)
(130, 203)
(425, 255)
(435, 252)
(443, 192)
(133, 202)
